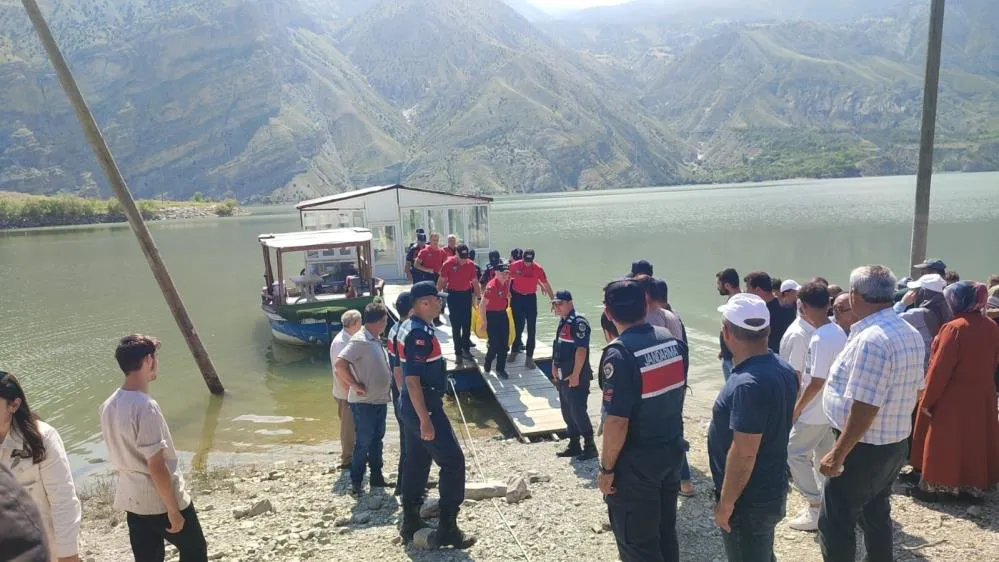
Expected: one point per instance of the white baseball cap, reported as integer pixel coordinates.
(930, 282)
(789, 285)
(746, 306)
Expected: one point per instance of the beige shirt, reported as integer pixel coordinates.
(370, 366)
(339, 342)
(134, 430)
(50, 485)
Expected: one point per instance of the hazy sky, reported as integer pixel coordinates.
(569, 4)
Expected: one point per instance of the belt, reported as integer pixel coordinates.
(519, 294)
(453, 291)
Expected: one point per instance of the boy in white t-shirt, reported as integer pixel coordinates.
(811, 436)
(150, 486)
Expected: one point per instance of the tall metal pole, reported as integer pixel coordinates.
(921, 218)
(117, 182)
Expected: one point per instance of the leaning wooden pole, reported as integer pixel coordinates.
(921, 217)
(106, 160)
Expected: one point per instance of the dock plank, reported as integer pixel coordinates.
(528, 398)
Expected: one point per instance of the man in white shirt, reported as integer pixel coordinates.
(351, 324)
(811, 436)
(150, 486)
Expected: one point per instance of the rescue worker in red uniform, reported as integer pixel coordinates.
(457, 278)
(525, 278)
(492, 310)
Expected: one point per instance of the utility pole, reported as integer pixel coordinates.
(921, 218)
(117, 182)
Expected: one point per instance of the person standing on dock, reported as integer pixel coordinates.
(458, 280)
(429, 435)
(362, 365)
(429, 262)
(572, 374)
(490, 270)
(452, 245)
(412, 251)
(403, 305)
(492, 310)
(645, 377)
(350, 324)
(150, 486)
(526, 276)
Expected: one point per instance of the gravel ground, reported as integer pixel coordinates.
(563, 519)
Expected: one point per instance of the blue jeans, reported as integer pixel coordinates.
(752, 536)
(369, 426)
(727, 368)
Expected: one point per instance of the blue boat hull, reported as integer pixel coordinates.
(309, 334)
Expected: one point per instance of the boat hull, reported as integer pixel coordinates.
(312, 333)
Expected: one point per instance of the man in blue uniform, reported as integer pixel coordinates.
(403, 305)
(490, 271)
(572, 374)
(645, 377)
(415, 275)
(429, 435)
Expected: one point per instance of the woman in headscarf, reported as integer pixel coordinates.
(956, 439)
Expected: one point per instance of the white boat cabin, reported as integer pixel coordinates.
(393, 213)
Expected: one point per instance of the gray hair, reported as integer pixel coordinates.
(874, 283)
(350, 318)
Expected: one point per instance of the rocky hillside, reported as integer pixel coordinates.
(289, 99)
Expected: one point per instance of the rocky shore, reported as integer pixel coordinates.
(299, 510)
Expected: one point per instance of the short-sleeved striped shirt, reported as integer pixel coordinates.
(881, 365)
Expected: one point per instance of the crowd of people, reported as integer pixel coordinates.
(836, 390)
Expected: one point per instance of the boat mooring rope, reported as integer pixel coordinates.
(478, 467)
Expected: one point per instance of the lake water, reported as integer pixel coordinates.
(67, 294)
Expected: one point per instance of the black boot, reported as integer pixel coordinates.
(589, 450)
(572, 451)
(411, 522)
(448, 534)
(378, 480)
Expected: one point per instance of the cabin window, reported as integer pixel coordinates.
(456, 224)
(385, 244)
(438, 224)
(411, 220)
(478, 227)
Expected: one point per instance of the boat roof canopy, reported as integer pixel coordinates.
(316, 239)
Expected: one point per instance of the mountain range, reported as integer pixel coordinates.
(290, 99)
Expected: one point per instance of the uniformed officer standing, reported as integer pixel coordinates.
(403, 305)
(525, 278)
(412, 251)
(458, 279)
(645, 376)
(492, 311)
(487, 274)
(429, 435)
(572, 374)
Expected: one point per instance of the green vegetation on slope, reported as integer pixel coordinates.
(19, 210)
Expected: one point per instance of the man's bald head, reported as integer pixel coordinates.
(843, 312)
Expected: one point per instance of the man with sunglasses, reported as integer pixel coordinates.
(429, 436)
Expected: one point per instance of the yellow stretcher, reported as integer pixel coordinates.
(479, 327)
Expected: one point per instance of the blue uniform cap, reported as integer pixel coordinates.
(641, 267)
(562, 296)
(403, 303)
(421, 236)
(424, 289)
(936, 265)
(501, 266)
(516, 253)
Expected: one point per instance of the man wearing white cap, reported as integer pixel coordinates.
(748, 437)
(931, 312)
(789, 293)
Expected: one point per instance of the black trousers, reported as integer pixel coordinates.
(861, 494)
(147, 533)
(459, 306)
(443, 450)
(498, 332)
(402, 434)
(643, 510)
(525, 313)
(573, 403)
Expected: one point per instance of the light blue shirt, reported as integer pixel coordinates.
(881, 365)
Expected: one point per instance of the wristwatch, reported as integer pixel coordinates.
(606, 471)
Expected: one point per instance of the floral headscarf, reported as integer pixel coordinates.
(966, 296)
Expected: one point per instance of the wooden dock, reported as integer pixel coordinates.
(528, 398)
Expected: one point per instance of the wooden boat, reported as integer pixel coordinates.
(305, 309)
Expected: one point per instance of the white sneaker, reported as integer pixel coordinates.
(807, 520)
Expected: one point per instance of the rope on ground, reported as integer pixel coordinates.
(478, 468)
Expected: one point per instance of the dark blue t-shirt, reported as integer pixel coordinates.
(758, 398)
